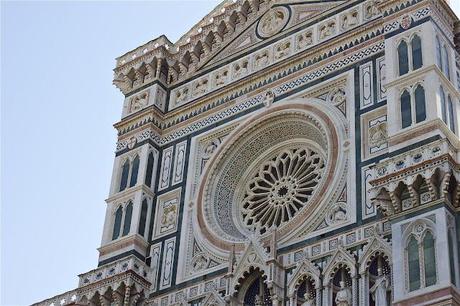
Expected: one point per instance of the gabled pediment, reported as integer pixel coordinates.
(278, 18)
(253, 256)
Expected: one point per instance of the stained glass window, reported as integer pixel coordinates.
(443, 105)
(149, 172)
(117, 223)
(124, 175)
(414, 264)
(420, 107)
(403, 58)
(143, 218)
(451, 115)
(134, 172)
(406, 113)
(128, 215)
(417, 59)
(429, 259)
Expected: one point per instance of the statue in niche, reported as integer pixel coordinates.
(258, 301)
(309, 300)
(380, 288)
(343, 297)
(304, 40)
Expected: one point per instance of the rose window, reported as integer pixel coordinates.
(281, 187)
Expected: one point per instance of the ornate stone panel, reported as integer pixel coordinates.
(179, 162)
(168, 263)
(165, 171)
(366, 85)
(167, 213)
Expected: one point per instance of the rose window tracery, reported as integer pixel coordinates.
(281, 187)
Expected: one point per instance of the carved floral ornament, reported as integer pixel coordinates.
(272, 172)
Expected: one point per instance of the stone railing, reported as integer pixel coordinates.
(67, 298)
(123, 265)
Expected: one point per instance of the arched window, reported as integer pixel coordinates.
(413, 264)
(117, 223)
(128, 215)
(417, 60)
(149, 172)
(438, 53)
(445, 61)
(406, 112)
(420, 107)
(134, 172)
(443, 105)
(143, 218)
(124, 175)
(451, 257)
(429, 259)
(403, 57)
(451, 114)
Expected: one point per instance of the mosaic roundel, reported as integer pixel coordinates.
(271, 173)
(281, 187)
(273, 21)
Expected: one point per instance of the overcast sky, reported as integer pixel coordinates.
(57, 140)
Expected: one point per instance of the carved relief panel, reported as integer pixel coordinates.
(167, 213)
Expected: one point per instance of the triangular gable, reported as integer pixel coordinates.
(341, 256)
(250, 36)
(254, 256)
(376, 245)
(305, 268)
(213, 299)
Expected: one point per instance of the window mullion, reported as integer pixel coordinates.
(422, 264)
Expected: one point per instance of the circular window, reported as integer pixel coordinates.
(274, 171)
(281, 187)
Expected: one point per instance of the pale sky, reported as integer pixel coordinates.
(57, 140)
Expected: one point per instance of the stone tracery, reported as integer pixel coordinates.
(281, 187)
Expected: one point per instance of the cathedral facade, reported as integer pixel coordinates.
(287, 152)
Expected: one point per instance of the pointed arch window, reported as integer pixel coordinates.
(420, 106)
(143, 218)
(421, 261)
(446, 61)
(149, 172)
(134, 171)
(417, 59)
(429, 259)
(413, 264)
(403, 57)
(452, 257)
(438, 53)
(443, 104)
(127, 221)
(451, 114)
(117, 223)
(124, 175)
(406, 112)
